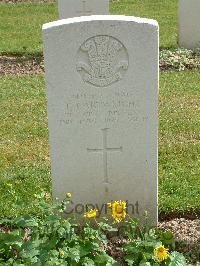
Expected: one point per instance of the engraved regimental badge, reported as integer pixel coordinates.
(102, 60)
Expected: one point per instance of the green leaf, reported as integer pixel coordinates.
(29, 253)
(104, 259)
(145, 264)
(167, 237)
(74, 253)
(61, 232)
(88, 262)
(86, 248)
(130, 260)
(26, 222)
(177, 259)
(107, 227)
(17, 264)
(54, 253)
(10, 239)
(67, 226)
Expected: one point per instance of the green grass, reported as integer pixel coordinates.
(24, 157)
(24, 151)
(164, 11)
(20, 25)
(179, 142)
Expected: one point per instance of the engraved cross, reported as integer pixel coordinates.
(105, 151)
(84, 11)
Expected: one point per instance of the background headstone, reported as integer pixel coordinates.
(78, 8)
(189, 24)
(102, 82)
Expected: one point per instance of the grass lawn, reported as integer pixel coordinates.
(164, 11)
(20, 25)
(24, 156)
(179, 142)
(24, 151)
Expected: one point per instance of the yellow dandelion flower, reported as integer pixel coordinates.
(118, 209)
(91, 214)
(62, 253)
(68, 195)
(47, 196)
(161, 253)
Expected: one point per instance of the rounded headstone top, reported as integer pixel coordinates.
(62, 22)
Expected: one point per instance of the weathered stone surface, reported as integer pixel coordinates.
(189, 24)
(102, 85)
(77, 8)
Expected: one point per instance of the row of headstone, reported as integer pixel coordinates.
(77, 8)
(189, 24)
(189, 16)
(102, 86)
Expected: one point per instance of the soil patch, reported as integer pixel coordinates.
(14, 65)
(186, 232)
(170, 60)
(187, 240)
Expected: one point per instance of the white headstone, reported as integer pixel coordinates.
(102, 84)
(189, 24)
(78, 8)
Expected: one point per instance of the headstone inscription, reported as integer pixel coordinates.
(78, 8)
(189, 24)
(102, 83)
